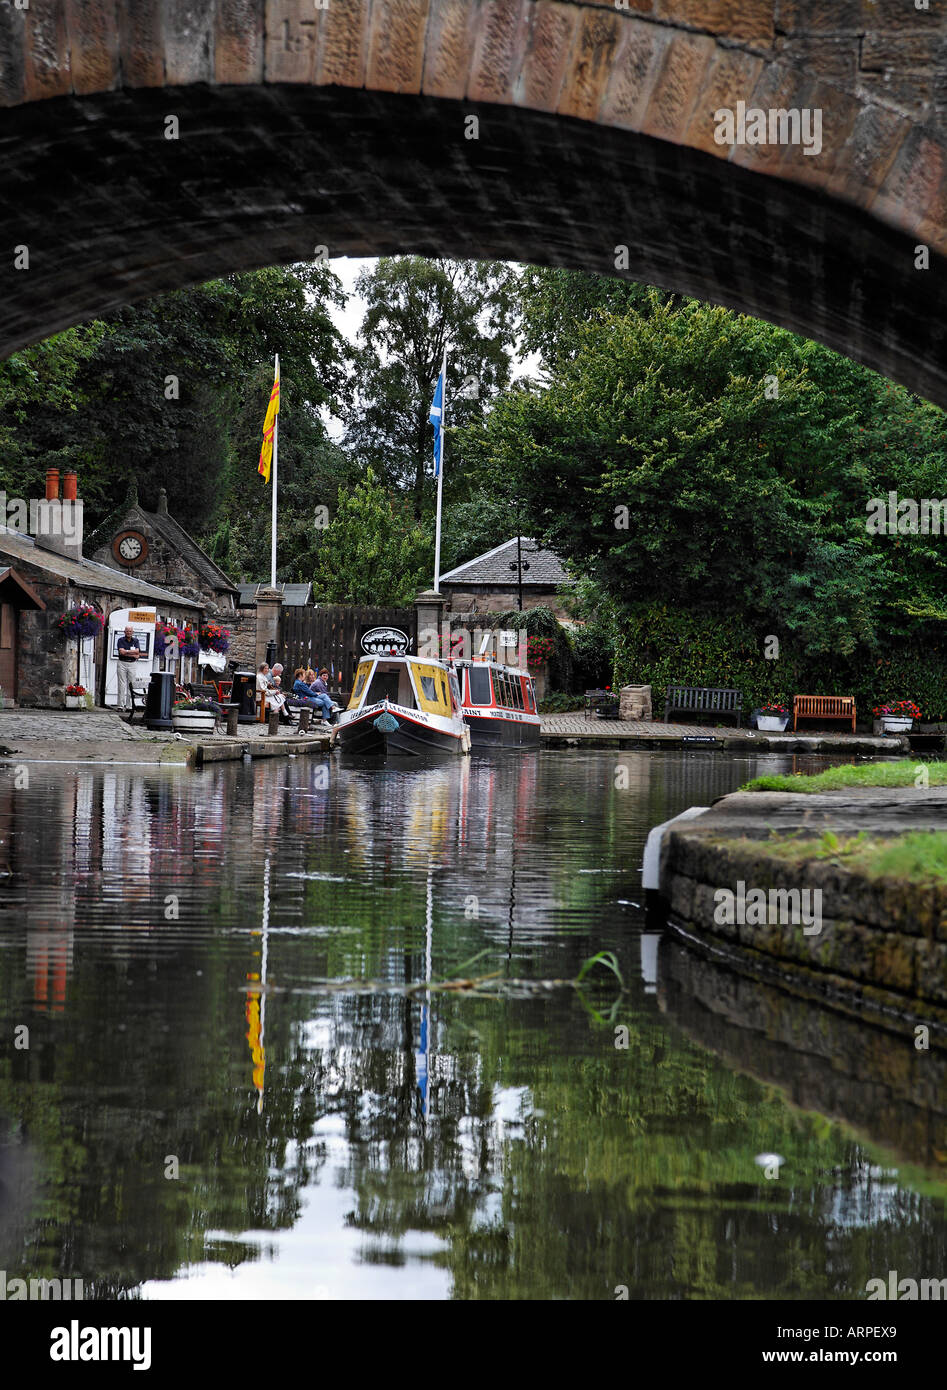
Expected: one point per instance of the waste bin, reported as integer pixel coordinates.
(243, 693)
(159, 700)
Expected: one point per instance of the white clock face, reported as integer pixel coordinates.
(130, 548)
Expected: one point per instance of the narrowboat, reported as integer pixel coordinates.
(403, 706)
(499, 704)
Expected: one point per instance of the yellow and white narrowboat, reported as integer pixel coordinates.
(403, 706)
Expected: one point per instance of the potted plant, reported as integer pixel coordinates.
(193, 716)
(214, 638)
(188, 639)
(896, 717)
(773, 719)
(75, 697)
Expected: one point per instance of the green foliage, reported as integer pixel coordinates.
(542, 622)
(415, 306)
(687, 455)
(660, 646)
(372, 552)
(896, 774)
(560, 703)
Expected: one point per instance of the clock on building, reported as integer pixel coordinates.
(130, 548)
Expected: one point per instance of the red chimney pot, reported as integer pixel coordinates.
(52, 484)
(70, 486)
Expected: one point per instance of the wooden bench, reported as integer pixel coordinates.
(700, 699)
(823, 707)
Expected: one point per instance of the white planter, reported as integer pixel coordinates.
(893, 724)
(772, 723)
(195, 721)
(75, 702)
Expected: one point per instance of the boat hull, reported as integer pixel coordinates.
(497, 731)
(413, 736)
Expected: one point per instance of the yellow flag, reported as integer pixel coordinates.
(269, 425)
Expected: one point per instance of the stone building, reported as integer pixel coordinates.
(246, 646)
(44, 573)
(488, 583)
(156, 548)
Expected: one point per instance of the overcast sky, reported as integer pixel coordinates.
(348, 321)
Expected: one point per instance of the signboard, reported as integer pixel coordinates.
(384, 641)
(142, 622)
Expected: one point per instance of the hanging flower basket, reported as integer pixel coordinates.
(190, 644)
(81, 622)
(214, 638)
(164, 633)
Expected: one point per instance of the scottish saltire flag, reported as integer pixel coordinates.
(436, 418)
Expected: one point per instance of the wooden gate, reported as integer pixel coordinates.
(328, 636)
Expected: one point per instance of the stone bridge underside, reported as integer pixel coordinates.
(346, 127)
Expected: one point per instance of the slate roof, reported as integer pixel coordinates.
(545, 567)
(294, 595)
(187, 546)
(15, 546)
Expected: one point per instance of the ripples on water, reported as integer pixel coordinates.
(221, 969)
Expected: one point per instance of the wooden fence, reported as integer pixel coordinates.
(328, 636)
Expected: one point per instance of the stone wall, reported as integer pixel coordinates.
(166, 567)
(242, 625)
(47, 663)
(499, 598)
(876, 939)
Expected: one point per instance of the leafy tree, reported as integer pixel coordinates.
(414, 307)
(373, 552)
(701, 458)
(555, 302)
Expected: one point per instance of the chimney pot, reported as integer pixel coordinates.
(52, 484)
(70, 486)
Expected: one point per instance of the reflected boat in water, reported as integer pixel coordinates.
(403, 706)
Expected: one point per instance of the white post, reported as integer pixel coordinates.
(273, 480)
(440, 479)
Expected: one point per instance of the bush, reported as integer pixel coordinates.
(560, 703)
(659, 646)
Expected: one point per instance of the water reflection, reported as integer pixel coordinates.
(232, 969)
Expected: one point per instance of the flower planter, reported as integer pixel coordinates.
(75, 702)
(894, 724)
(772, 723)
(194, 721)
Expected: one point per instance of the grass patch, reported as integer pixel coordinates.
(920, 855)
(900, 774)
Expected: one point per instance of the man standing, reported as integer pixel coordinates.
(129, 651)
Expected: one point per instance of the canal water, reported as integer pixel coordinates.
(254, 1068)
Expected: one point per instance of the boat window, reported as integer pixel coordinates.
(530, 702)
(361, 676)
(518, 691)
(431, 682)
(384, 686)
(428, 688)
(479, 677)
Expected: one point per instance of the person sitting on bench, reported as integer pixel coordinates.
(275, 699)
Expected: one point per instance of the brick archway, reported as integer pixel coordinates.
(347, 128)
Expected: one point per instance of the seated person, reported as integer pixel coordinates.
(275, 699)
(302, 695)
(320, 688)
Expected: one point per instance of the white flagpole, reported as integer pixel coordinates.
(440, 479)
(273, 480)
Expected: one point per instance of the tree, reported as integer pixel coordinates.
(372, 551)
(691, 456)
(554, 303)
(414, 307)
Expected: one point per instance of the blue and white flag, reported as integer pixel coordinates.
(436, 418)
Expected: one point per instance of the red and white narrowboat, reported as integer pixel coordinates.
(499, 704)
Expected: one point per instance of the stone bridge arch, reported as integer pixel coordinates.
(346, 124)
